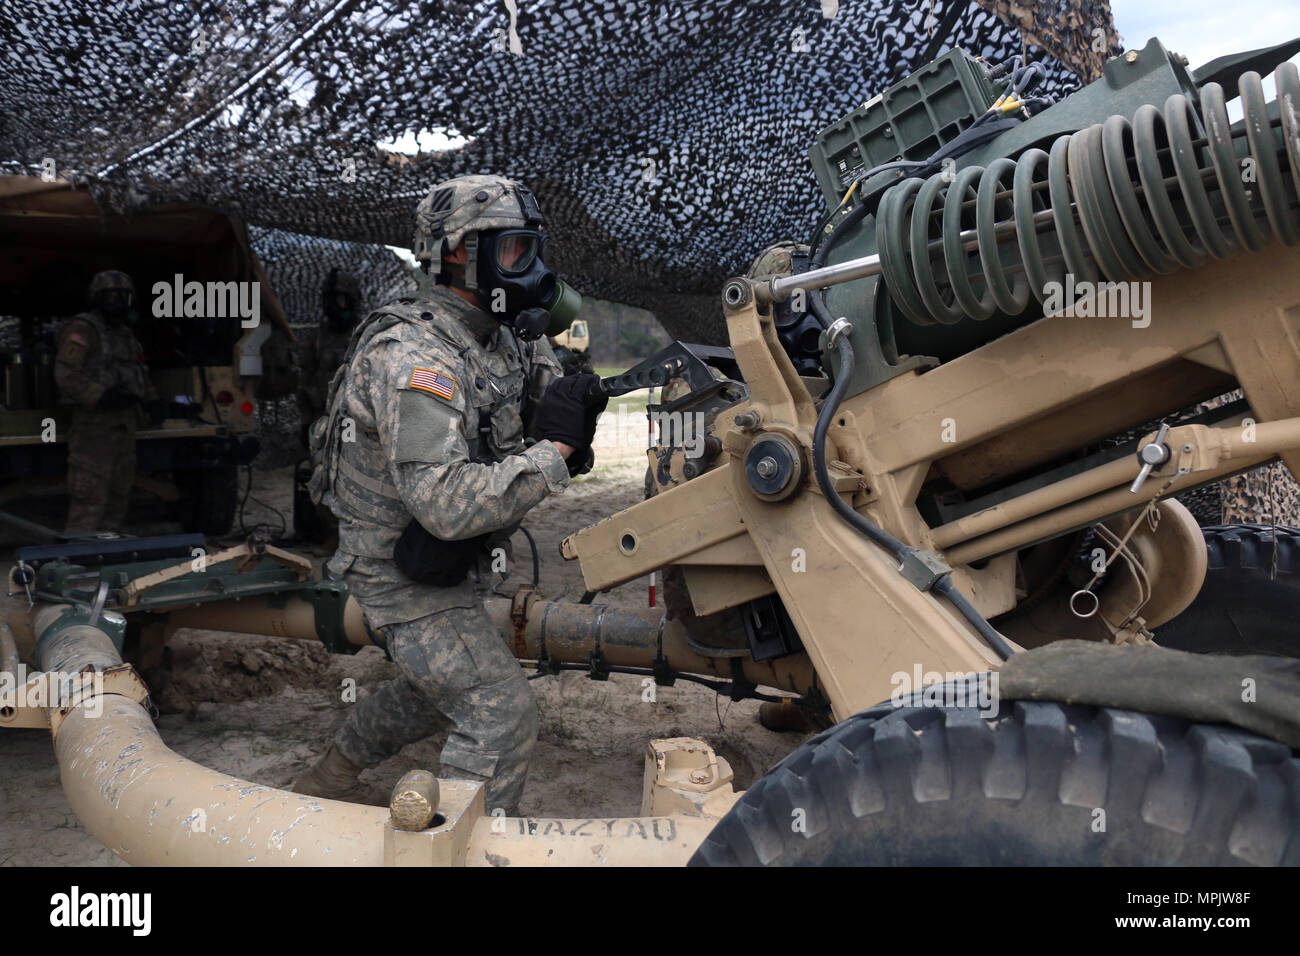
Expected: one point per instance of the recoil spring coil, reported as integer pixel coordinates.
(1116, 201)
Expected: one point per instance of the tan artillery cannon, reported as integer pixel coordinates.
(976, 483)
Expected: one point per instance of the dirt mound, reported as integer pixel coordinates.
(210, 667)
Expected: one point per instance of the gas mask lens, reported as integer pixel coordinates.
(515, 250)
(114, 300)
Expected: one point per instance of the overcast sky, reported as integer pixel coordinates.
(1204, 29)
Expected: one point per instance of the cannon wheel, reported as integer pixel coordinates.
(1243, 607)
(1040, 783)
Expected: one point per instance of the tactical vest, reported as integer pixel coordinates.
(119, 360)
(351, 477)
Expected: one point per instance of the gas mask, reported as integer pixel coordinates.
(341, 316)
(115, 306)
(339, 297)
(514, 281)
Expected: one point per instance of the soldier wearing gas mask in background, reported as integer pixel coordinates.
(323, 352)
(100, 372)
(320, 357)
(449, 421)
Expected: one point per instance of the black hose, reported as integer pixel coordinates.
(827, 414)
(532, 545)
(815, 300)
(943, 586)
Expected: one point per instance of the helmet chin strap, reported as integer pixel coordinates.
(471, 261)
(453, 276)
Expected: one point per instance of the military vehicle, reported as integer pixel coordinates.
(573, 347)
(211, 367)
(941, 518)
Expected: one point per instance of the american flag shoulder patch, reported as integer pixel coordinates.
(429, 380)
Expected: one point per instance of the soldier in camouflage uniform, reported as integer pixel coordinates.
(323, 352)
(320, 357)
(426, 432)
(101, 373)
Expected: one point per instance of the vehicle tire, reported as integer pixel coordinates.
(1242, 607)
(1031, 786)
(211, 499)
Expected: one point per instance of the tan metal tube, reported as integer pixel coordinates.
(1088, 512)
(277, 615)
(151, 806)
(627, 637)
(154, 807)
(1097, 493)
(9, 658)
(630, 637)
(1084, 485)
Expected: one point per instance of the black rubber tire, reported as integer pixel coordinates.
(211, 499)
(944, 786)
(1242, 608)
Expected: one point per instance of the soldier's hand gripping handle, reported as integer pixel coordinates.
(595, 400)
(568, 411)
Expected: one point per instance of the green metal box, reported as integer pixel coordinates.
(910, 120)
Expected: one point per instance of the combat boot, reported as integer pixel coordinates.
(784, 717)
(333, 777)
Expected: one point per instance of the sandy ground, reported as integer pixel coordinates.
(262, 708)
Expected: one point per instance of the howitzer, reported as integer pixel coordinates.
(1019, 311)
(965, 438)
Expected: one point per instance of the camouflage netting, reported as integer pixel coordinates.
(298, 265)
(666, 141)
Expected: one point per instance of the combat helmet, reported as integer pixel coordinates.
(111, 294)
(109, 279)
(460, 208)
(339, 282)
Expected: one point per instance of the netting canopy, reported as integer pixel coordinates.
(665, 141)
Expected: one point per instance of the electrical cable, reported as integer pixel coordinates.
(532, 546)
(943, 585)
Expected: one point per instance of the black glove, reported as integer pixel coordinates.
(156, 411)
(596, 403)
(562, 413)
(581, 462)
(116, 397)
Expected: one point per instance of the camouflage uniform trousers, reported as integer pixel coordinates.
(101, 471)
(455, 669)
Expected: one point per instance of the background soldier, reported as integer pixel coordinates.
(423, 459)
(101, 373)
(326, 346)
(318, 360)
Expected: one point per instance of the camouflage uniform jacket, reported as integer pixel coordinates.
(93, 356)
(426, 422)
(321, 356)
